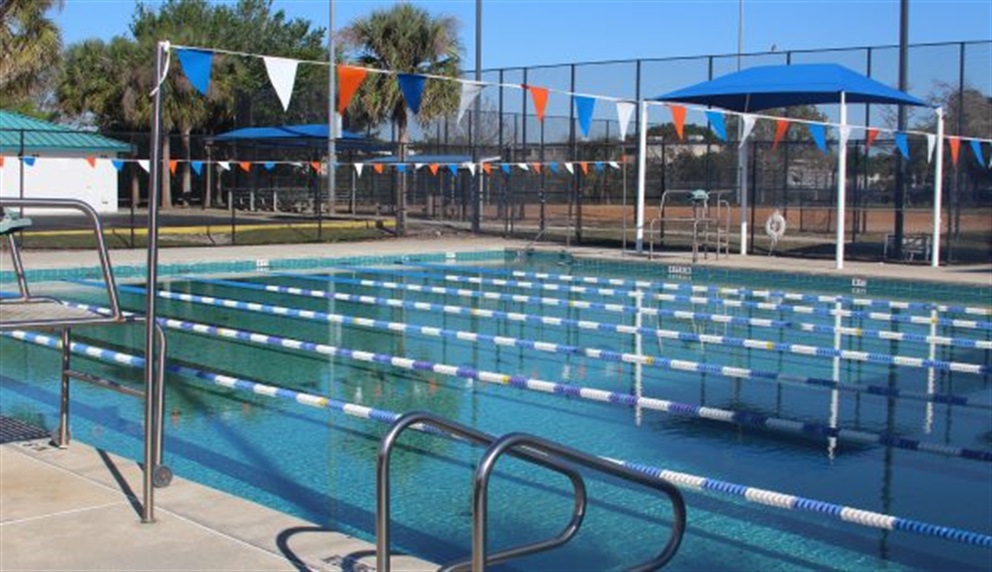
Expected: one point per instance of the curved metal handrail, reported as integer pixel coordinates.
(516, 443)
(108, 275)
(451, 428)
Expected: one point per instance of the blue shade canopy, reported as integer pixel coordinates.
(286, 132)
(765, 87)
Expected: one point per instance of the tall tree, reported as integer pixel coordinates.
(405, 39)
(30, 45)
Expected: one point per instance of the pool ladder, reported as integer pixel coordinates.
(530, 448)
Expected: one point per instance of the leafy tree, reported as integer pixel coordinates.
(30, 44)
(406, 39)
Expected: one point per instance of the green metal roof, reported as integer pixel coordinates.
(43, 138)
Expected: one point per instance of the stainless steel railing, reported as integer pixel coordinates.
(528, 448)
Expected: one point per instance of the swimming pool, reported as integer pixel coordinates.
(522, 333)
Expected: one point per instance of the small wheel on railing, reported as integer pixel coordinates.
(161, 476)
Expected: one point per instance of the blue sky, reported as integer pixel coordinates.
(530, 32)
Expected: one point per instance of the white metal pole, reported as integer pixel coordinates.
(642, 166)
(332, 113)
(742, 158)
(938, 188)
(841, 181)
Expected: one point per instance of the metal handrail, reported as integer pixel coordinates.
(451, 428)
(515, 443)
(86, 209)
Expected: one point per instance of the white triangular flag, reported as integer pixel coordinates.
(470, 91)
(748, 127)
(614, 164)
(224, 165)
(625, 110)
(143, 163)
(297, 164)
(417, 166)
(359, 167)
(523, 166)
(931, 144)
(570, 168)
(845, 135)
(282, 74)
(471, 167)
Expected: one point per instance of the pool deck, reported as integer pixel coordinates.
(74, 509)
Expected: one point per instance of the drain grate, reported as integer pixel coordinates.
(13, 430)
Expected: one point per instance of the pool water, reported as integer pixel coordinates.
(320, 464)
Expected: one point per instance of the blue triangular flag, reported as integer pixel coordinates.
(29, 161)
(117, 163)
(553, 165)
(505, 167)
(717, 124)
(197, 166)
(412, 86)
(583, 108)
(453, 167)
(976, 146)
(598, 165)
(903, 144)
(401, 167)
(196, 65)
(819, 134)
(269, 165)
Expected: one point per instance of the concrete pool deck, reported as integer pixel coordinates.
(73, 509)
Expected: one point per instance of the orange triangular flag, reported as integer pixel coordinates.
(540, 97)
(315, 165)
(486, 167)
(1, 161)
(91, 161)
(781, 126)
(536, 167)
(585, 167)
(349, 79)
(378, 168)
(245, 166)
(678, 116)
(173, 163)
(871, 135)
(433, 167)
(955, 143)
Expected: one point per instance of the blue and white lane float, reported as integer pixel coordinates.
(689, 481)
(542, 301)
(764, 345)
(515, 316)
(613, 292)
(549, 347)
(716, 290)
(568, 391)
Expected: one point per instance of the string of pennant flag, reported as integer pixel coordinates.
(197, 64)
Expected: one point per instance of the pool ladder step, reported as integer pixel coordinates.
(529, 448)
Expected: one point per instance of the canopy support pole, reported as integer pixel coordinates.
(742, 174)
(841, 181)
(642, 165)
(938, 188)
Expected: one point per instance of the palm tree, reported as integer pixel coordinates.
(30, 45)
(406, 39)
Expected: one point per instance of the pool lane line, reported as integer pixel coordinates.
(542, 301)
(713, 290)
(613, 292)
(695, 483)
(567, 390)
(474, 337)
(557, 302)
(728, 341)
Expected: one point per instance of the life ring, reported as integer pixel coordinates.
(775, 226)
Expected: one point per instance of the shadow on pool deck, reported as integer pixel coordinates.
(74, 509)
